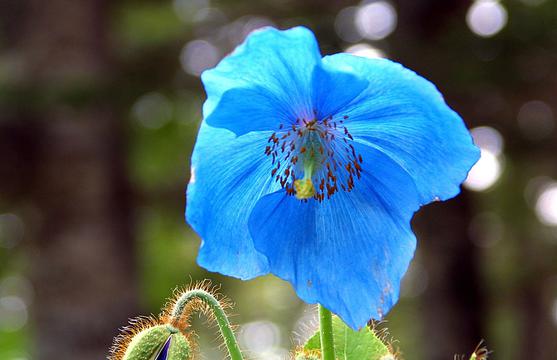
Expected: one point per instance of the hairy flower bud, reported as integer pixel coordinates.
(150, 339)
(167, 336)
(161, 342)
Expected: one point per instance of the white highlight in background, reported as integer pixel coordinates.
(199, 55)
(376, 20)
(546, 204)
(485, 173)
(345, 26)
(261, 338)
(486, 17)
(13, 313)
(365, 50)
(488, 169)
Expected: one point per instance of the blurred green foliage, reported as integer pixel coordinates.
(159, 105)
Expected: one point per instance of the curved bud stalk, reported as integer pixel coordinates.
(203, 300)
(167, 337)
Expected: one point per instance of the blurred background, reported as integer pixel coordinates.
(99, 106)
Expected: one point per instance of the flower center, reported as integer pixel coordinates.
(314, 158)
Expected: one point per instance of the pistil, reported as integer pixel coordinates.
(322, 151)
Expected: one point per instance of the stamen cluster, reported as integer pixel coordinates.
(321, 150)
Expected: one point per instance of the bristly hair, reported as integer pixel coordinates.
(127, 333)
(480, 353)
(306, 328)
(183, 323)
(195, 306)
(380, 330)
(307, 353)
(136, 325)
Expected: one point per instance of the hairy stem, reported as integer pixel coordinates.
(326, 334)
(222, 320)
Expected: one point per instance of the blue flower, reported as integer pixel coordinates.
(311, 167)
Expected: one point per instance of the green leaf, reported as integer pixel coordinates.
(353, 345)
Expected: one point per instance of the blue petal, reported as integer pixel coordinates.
(242, 110)
(347, 253)
(332, 90)
(404, 116)
(268, 77)
(229, 175)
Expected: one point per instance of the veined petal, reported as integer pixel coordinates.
(347, 253)
(372, 140)
(269, 76)
(332, 90)
(404, 116)
(229, 174)
(242, 110)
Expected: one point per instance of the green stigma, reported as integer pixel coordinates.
(304, 187)
(322, 150)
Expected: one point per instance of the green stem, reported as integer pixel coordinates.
(222, 320)
(326, 334)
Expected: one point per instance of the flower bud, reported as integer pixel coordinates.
(166, 337)
(157, 342)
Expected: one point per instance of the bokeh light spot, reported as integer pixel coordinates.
(11, 230)
(376, 20)
(485, 173)
(253, 23)
(237, 31)
(13, 313)
(17, 285)
(486, 17)
(546, 205)
(345, 26)
(198, 55)
(365, 50)
(152, 110)
(260, 337)
(488, 169)
(489, 139)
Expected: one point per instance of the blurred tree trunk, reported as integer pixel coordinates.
(83, 253)
(453, 312)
